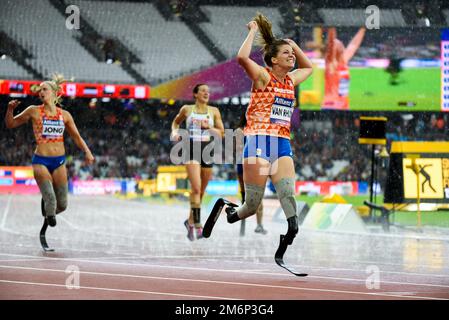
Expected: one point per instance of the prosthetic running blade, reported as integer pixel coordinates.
(279, 258)
(215, 213)
(44, 230)
(43, 239)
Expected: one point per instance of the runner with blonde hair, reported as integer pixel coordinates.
(49, 123)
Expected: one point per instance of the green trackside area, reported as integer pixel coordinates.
(370, 90)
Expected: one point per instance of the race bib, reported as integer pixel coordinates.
(196, 131)
(52, 128)
(281, 110)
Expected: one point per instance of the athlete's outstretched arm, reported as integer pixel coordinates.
(354, 45)
(21, 118)
(252, 69)
(75, 135)
(305, 67)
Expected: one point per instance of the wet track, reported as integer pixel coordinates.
(136, 250)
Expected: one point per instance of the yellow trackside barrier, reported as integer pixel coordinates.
(334, 198)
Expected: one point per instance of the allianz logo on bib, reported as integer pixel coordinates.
(49, 122)
(283, 102)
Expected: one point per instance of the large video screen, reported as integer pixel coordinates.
(365, 72)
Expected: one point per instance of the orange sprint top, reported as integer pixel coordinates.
(270, 109)
(49, 128)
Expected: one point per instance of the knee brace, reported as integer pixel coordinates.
(61, 197)
(48, 194)
(285, 189)
(253, 198)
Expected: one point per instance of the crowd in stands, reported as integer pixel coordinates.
(132, 140)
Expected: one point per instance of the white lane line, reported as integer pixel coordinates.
(241, 271)
(302, 266)
(382, 282)
(118, 290)
(252, 272)
(21, 260)
(6, 212)
(185, 256)
(232, 283)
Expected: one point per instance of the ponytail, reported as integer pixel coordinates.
(269, 43)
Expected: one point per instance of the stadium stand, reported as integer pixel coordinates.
(11, 69)
(51, 45)
(180, 51)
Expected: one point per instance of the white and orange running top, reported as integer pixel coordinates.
(49, 128)
(270, 109)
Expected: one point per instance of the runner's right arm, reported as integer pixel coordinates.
(22, 118)
(255, 72)
(180, 117)
(354, 45)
